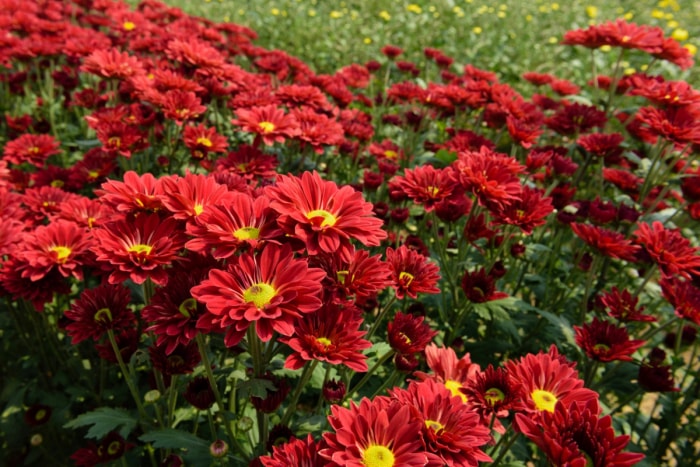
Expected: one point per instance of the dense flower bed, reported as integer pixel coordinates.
(209, 253)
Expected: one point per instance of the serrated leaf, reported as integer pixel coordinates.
(170, 438)
(445, 156)
(103, 421)
(256, 388)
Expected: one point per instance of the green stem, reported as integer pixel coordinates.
(380, 318)
(504, 449)
(303, 381)
(127, 374)
(369, 374)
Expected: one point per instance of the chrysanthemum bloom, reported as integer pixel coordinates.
(606, 242)
(138, 249)
(316, 129)
(334, 391)
(181, 106)
(186, 197)
(605, 342)
(408, 334)
(574, 435)
(112, 63)
(362, 276)
(273, 397)
(331, 334)
(85, 212)
(452, 434)
(491, 176)
(576, 118)
(326, 218)
(427, 185)
(412, 272)
(676, 124)
(193, 52)
(111, 448)
(297, 452)
(619, 33)
(137, 193)
(527, 211)
(98, 310)
(670, 250)
(654, 374)
(62, 245)
(683, 296)
(40, 292)
(201, 140)
(270, 290)
(180, 361)
(544, 380)
(622, 306)
(37, 415)
(377, 433)
(240, 221)
(491, 395)
(447, 369)
(33, 149)
(268, 123)
(199, 393)
(480, 287)
(249, 162)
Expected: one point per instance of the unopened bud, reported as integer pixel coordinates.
(218, 448)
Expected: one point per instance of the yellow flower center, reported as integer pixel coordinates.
(247, 233)
(92, 174)
(140, 249)
(259, 294)
(454, 387)
(266, 127)
(432, 190)
(544, 400)
(114, 447)
(406, 278)
(601, 348)
(128, 26)
(57, 183)
(377, 455)
(324, 341)
(390, 154)
(103, 315)
(327, 219)
(493, 396)
(187, 307)
(62, 253)
(434, 425)
(114, 141)
(204, 141)
(342, 275)
(198, 208)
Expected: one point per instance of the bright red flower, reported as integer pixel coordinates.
(574, 434)
(380, 432)
(683, 296)
(240, 221)
(98, 310)
(201, 140)
(362, 276)
(538, 79)
(62, 245)
(112, 63)
(622, 305)
(33, 149)
(408, 334)
(193, 52)
(138, 249)
(607, 242)
(619, 33)
(316, 129)
(605, 342)
(268, 123)
(564, 87)
(670, 250)
(680, 125)
(332, 334)
(412, 272)
(672, 51)
(527, 211)
(663, 93)
(271, 289)
(249, 162)
(297, 452)
(427, 185)
(326, 218)
(181, 105)
(454, 373)
(187, 197)
(137, 193)
(490, 393)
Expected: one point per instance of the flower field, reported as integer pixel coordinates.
(223, 244)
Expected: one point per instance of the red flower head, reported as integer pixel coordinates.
(111, 448)
(619, 33)
(670, 250)
(363, 276)
(201, 140)
(607, 242)
(378, 433)
(317, 130)
(676, 124)
(137, 193)
(544, 380)
(605, 342)
(326, 218)
(602, 144)
(112, 63)
(330, 335)
(654, 375)
(480, 287)
(683, 296)
(454, 373)
(527, 211)
(181, 360)
(622, 305)
(98, 310)
(199, 393)
(409, 334)
(186, 197)
(40, 292)
(574, 435)
(296, 452)
(269, 124)
(33, 149)
(249, 162)
(426, 185)
(391, 51)
(412, 272)
(576, 118)
(271, 289)
(491, 395)
(140, 249)
(62, 245)
(181, 105)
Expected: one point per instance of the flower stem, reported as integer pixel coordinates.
(371, 371)
(127, 374)
(380, 318)
(303, 381)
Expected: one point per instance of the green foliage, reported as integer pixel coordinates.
(104, 420)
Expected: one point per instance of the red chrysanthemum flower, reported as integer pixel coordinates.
(576, 435)
(33, 149)
(619, 33)
(576, 118)
(672, 51)
(622, 305)
(40, 292)
(454, 373)
(187, 197)
(606, 242)
(181, 105)
(249, 162)
(269, 124)
(138, 249)
(677, 124)
(412, 272)
(452, 434)
(322, 215)
(670, 250)
(181, 360)
(601, 144)
(426, 185)
(297, 452)
(408, 334)
(270, 290)
(193, 52)
(683, 296)
(491, 395)
(201, 140)
(543, 380)
(62, 245)
(331, 334)
(527, 211)
(379, 433)
(137, 193)
(605, 342)
(362, 276)
(223, 229)
(317, 130)
(661, 92)
(98, 310)
(111, 448)
(654, 374)
(85, 212)
(112, 63)
(480, 287)
(538, 79)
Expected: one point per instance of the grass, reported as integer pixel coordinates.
(508, 37)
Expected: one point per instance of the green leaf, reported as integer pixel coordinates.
(103, 421)
(170, 438)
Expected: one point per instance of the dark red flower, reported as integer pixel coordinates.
(426, 185)
(683, 296)
(480, 287)
(273, 397)
(605, 342)
(670, 250)
(249, 162)
(201, 140)
(654, 375)
(199, 393)
(490, 393)
(408, 334)
(178, 361)
(62, 245)
(33, 149)
(181, 105)
(576, 118)
(412, 272)
(527, 211)
(606, 242)
(622, 305)
(98, 310)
